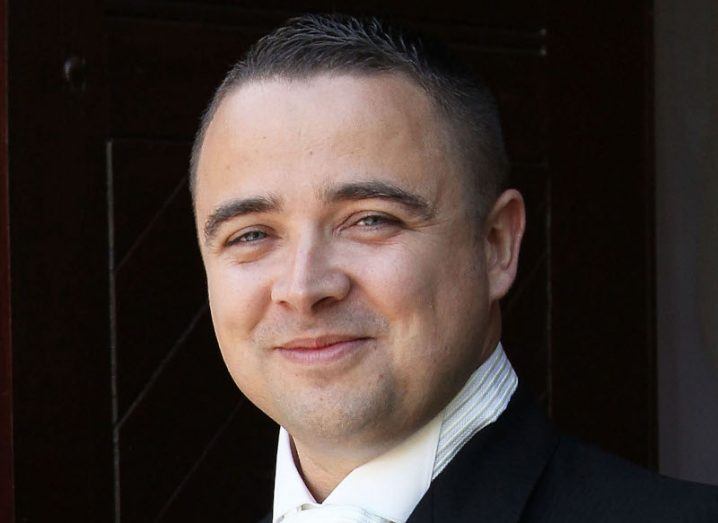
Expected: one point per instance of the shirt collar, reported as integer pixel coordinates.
(290, 491)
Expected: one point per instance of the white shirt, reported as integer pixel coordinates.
(391, 485)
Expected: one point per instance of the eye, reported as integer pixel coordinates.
(248, 237)
(375, 220)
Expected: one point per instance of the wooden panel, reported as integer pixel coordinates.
(526, 309)
(235, 480)
(518, 80)
(509, 13)
(148, 175)
(61, 365)
(171, 83)
(162, 75)
(603, 284)
(164, 438)
(158, 285)
(7, 501)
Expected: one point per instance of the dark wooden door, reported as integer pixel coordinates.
(123, 408)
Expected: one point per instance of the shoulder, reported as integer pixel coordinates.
(583, 483)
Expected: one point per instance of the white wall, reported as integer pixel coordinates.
(686, 83)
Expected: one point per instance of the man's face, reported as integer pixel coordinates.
(346, 275)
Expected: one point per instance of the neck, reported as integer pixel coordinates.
(493, 333)
(321, 472)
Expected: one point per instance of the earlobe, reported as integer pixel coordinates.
(504, 230)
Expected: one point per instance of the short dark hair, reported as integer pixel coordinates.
(312, 44)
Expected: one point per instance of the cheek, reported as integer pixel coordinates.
(395, 279)
(237, 297)
(405, 284)
(431, 299)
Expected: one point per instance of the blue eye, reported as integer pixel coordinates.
(248, 237)
(374, 220)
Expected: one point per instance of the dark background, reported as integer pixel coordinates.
(115, 402)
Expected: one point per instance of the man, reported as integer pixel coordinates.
(349, 188)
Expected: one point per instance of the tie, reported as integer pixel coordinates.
(311, 513)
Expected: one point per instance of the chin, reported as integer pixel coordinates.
(332, 415)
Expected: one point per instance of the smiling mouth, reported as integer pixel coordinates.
(318, 343)
(324, 349)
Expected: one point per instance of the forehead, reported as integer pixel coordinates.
(279, 134)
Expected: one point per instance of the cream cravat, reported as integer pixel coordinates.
(316, 513)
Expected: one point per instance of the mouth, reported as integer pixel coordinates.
(323, 349)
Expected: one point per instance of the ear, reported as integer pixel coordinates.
(503, 229)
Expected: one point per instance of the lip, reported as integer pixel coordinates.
(323, 349)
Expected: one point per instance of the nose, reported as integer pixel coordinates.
(310, 277)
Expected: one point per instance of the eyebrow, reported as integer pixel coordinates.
(235, 208)
(345, 192)
(382, 190)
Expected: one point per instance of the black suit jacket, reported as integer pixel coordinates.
(520, 469)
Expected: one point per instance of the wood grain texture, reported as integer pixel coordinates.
(157, 280)
(602, 276)
(525, 310)
(168, 432)
(235, 480)
(60, 320)
(7, 494)
(519, 14)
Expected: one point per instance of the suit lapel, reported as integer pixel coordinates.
(492, 477)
